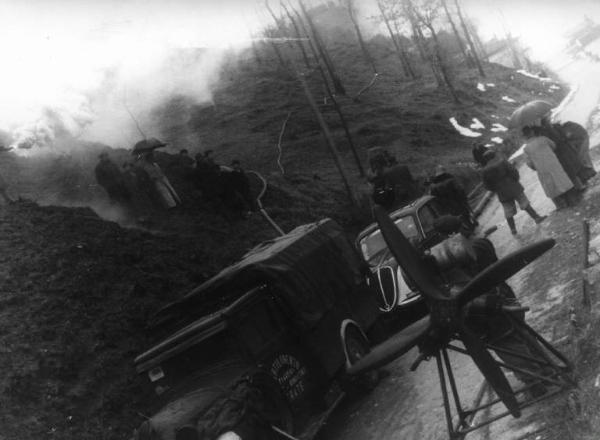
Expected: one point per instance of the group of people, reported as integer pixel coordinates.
(142, 185)
(559, 153)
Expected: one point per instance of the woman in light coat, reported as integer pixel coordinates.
(540, 153)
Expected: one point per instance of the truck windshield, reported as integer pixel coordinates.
(374, 245)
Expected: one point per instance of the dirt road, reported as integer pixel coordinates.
(408, 405)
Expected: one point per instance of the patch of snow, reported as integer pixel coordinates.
(463, 130)
(488, 145)
(477, 124)
(481, 87)
(508, 99)
(554, 87)
(498, 140)
(491, 85)
(532, 75)
(496, 127)
(495, 117)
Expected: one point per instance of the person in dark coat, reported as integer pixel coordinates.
(566, 153)
(580, 139)
(237, 186)
(451, 195)
(502, 178)
(478, 151)
(109, 176)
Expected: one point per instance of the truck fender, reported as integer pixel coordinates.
(347, 326)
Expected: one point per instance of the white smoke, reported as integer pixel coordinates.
(79, 70)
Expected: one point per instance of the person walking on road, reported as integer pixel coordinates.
(539, 151)
(502, 178)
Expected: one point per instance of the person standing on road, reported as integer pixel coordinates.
(539, 151)
(566, 154)
(578, 136)
(502, 178)
(451, 195)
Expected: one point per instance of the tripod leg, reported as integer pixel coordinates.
(440, 367)
(541, 346)
(459, 409)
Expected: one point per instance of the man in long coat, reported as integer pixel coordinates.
(502, 178)
(565, 152)
(539, 151)
(578, 136)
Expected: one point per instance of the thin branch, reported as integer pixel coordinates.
(137, 124)
(279, 142)
(367, 87)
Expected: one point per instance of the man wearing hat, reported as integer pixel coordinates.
(109, 176)
(501, 177)
(451, 195)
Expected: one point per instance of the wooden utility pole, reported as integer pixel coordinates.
(361, 40)
(469, 39)
(459, 40)
(318, 41)
(328, 138)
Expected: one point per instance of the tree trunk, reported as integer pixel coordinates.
(442, 65)
(270, 36)
(337, 83)
(298, 36)
(361, 41)
(331, 96)
(404, 53)
(328, 139)
(459, 40)
(469, 39)
(478, 43)
(406, 69)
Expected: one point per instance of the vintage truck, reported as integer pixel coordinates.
(259, 350)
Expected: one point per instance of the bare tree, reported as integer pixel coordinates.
(318, 42)
(459, 39)
(361, 41)
(400, 50)
(469, 39)
(298, 38)
(271, 36)
(426, 12)
(477, 40)
(328, 90)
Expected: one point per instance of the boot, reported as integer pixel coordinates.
(511, 225)
(534, 215)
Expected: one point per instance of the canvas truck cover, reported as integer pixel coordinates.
(311, 268)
